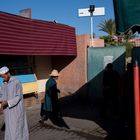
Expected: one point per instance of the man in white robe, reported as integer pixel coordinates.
(13, 108)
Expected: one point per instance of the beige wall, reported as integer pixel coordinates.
(85, 40)
(73, 70)
(74, 74)
(42, 70)
(97, 42)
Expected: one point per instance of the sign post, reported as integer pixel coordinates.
(90, 12)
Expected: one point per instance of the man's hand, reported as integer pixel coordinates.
(4, 104)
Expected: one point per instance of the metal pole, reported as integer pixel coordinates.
(137, 100)
(91, 17)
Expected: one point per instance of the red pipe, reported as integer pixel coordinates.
(137, 100)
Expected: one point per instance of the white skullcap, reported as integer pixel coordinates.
(4, 70)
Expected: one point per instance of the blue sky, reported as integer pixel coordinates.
(63, 11)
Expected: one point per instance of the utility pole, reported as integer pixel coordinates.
(90, 12)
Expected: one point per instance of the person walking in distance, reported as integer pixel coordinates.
(50, 108)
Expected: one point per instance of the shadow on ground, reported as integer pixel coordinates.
(74, 106)
(87, 104)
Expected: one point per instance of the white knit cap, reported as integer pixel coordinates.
(4, 70)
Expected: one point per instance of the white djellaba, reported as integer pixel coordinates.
(14, 114)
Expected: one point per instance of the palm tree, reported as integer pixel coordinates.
(108, 26)
(126, 42)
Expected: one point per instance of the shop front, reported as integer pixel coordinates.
(29, 46)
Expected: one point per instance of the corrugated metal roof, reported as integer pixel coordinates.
(25, 36)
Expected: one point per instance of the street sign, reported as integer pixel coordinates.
(99, 11)
(90, 12)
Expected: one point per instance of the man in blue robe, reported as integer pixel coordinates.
(51, 108)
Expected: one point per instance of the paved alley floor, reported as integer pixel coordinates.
(49, 131)
(79, 129)
(83, 123)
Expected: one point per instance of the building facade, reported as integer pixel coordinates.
(74, 75)
(29, 46)
(34, 46)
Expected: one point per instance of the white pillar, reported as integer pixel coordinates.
(91, 27)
